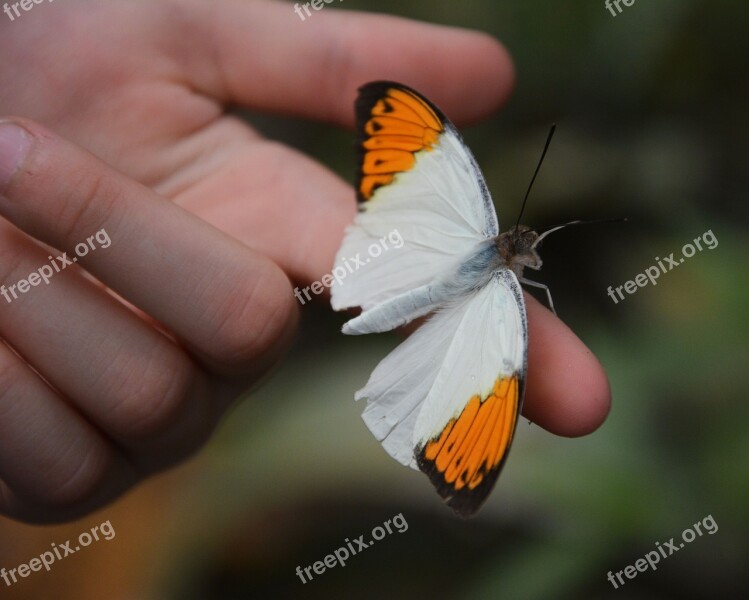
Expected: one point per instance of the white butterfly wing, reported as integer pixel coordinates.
(421, 193)
(447, 399)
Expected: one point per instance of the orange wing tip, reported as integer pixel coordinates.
(395, 123)
(464, 460)
(404, 100)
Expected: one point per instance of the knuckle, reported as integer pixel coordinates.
(83, 206)
(251, 320)
(68, 476)
(13, 250)
(147, 398)
(233, 342)
(10, 376)
(75, 480)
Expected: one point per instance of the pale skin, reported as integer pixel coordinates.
(125, 128)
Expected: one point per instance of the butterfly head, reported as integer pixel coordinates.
(517, 247)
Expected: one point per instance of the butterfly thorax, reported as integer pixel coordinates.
(517, 250)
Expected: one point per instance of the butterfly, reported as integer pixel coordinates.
(446, 401)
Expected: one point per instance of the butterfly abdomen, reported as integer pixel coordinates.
(473, 272)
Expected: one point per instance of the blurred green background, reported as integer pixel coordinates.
(652, 114)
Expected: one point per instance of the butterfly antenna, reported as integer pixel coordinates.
(554, 228)
(538, 168)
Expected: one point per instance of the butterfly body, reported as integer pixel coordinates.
(446, 401)
(511, 250)
(517, 248)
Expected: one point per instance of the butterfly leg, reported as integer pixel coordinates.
(543, 287)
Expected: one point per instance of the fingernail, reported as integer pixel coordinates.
(14, 145)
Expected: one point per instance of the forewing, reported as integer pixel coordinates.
(417, 182)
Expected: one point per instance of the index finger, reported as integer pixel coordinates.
(264, 56)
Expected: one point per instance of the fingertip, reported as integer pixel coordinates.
(583, 409)
(493, 68)
(481, 70)
(277, 313)
(567, 390)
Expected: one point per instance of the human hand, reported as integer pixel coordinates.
(206, 219)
